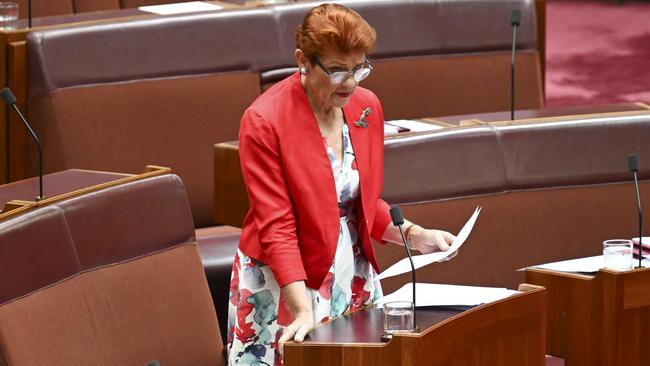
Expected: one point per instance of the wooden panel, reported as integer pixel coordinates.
(19, 139)
(230, 196)
(595, 327)
(636, 291)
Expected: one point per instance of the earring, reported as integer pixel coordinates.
(303, 70)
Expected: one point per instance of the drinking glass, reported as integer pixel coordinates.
(398, 317)
(8, 15)
(618, 254)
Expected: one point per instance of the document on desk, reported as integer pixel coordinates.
(414, 126)
(580, 265)
(180, 8)
(432, 294)
(419, 261)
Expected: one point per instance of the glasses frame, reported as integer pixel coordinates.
(358, 75)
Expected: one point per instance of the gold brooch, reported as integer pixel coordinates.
(362, 119)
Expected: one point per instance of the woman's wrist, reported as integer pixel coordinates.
(411, 231)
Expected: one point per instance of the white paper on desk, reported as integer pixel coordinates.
(414, 126)
(390, 129)
(432, 294)
(587, 265)
(419, 261)
(180, 8)
(582, 265)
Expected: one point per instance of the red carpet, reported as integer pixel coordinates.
(597, 52)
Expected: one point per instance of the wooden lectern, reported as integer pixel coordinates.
(505, 332)
(597, 320)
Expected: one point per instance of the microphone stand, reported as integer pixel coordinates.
(633, 166)
(638, 202)
(40, 153)
(10, 100)
(398, 220)
(515, 20)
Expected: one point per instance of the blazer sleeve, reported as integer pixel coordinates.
(382, 220)
(269, 197)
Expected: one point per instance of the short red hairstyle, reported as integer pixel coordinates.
(333, 27)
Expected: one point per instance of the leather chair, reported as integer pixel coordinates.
(112, 277)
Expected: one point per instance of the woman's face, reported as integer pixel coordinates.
(323, 93)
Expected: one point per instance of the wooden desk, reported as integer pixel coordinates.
(505, 332)
(597, 320)
(13, 73)
(19, 197)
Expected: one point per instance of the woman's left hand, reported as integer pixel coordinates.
(428, 241)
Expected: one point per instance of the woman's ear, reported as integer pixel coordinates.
(301, 61)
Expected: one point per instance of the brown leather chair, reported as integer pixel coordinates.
(121, 100)
(112, 277)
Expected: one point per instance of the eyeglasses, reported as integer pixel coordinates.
(339, 77)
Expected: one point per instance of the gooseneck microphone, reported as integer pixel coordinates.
(29, 13)
(398, 220)
(633, 165)
(515, 21)
(10, 100)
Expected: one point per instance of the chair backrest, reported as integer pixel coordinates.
(112, 277)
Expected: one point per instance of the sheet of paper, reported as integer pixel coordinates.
(431, 294)
(419, 261)
(180, 8)
(583, 265)
(390, 129)
(414, 126)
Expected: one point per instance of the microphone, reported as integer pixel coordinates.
(633, 166)
(29, 13)
(515, 21)
(398, 220)
(10, 100)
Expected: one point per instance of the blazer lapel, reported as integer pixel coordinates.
(360, 143)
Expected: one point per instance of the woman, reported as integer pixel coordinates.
(311, 150)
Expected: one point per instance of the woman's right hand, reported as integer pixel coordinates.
(297, 299)
(302, 324)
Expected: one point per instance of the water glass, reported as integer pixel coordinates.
(398, 317)
(8, 15)
(618, 254)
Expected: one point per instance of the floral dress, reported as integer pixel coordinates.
(257, 312)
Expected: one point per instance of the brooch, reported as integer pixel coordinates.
(362, 119)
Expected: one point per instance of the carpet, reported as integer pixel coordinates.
(597, 52)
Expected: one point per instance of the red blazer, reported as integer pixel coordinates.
(293, 223)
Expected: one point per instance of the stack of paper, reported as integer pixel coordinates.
(430, 294)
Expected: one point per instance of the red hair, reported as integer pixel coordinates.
(333, 27)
